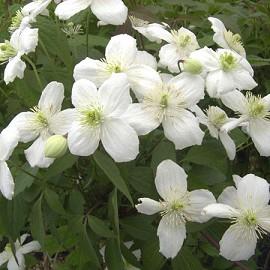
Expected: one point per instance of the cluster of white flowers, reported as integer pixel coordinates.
(105, 111)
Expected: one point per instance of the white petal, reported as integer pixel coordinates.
(23, 237)
(220, 210)
(259, 131)
(51, 98)
(28, 40)
(171, 237)
(83, 141)
(235, 245)
(15, 68)
(159, 32)
(120, 140)
(148, 206)
(198, 199)
(219, 29)
(141, 120)
(121, 49)
(35, 154)
(23, 122)
(30, 247)
(61, 122)
(169, 57)
(253, 192)
(171, 180)
(114, 95)
(228, 144)
(68, 8)
(9, 138)
(92, 70)
(6, 181)
(237, 179)
(183, 130)
(191, 88)
(143, 79)
(145, 58)
(235, 100)
(110, 11)
(243, 80)
(200, 114)
(12, 264)
(4, 257)
(165, 77)
(84, 93)
(229, 197)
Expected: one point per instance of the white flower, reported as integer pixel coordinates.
(107, 11)
(176, 207)
(121, 56)
(8, 141)
(21, 250)
(226, 39)
(247, 207)
(214, 119)
(254, 114)
(99, 117)
(227, 71)
(181, 43)
(41, 122)
(167, 102)
(23, 41)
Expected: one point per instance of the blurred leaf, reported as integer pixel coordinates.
(99, 227)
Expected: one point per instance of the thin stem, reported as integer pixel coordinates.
(34, 69)
(87, 34)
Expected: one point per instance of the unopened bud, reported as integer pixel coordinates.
(55, 146)
(192, 66)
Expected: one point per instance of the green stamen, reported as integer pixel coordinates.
(6, 51)
(228, 61)
(92, 117)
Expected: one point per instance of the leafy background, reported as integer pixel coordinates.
(80, 205)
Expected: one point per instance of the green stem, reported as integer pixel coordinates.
(34, 69)
(87, 34)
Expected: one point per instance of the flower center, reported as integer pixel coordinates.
(164, 101)
(256, 107)
(71, 30)
(234, 41)
(182, 40)
(6, 51)
(16, 21)
(227, 61)
(216, 116)
(91, 117)
(113, 66)
(41, 118)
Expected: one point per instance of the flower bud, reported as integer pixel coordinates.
(55, 146)
(192, 66)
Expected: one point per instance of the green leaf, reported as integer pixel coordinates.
(99, 227)
(113, 213)
(53, 200)
(76, 202)
(113, 256)
(36, 222)
(112, 172)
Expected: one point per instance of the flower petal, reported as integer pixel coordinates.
(12, 264)
(110, 11)
(198, 199)
(15, 68)
(229, 197)
(83, 141)
(114, 95)
(171, 237)
(171, 180)
(30, 247)
(119, 140)
(68, 8)
(228, 144)
(243, 80)
(183, 130)
(27, 40)
(145, 58)
(169, 57)
(219, 29)
(51, 98)
(84, 93)
(235, 100)
(35, 154)
(92, 70)
(6, 181)
(9, 138)
(121, 49)
(235, 245)
(4, 257)
(148, 206)
(220, 210)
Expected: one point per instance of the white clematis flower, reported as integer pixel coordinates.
(41, 122)
(181, 43)
(121, 56)
(167, 102)
(107, 11)
(254, 114)
(247, 207)
(227, 71)
(8, 141)
(22, 41)
(214, 119)
(21, 250)
(176, 207)
(226, 39)
(99, 117)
